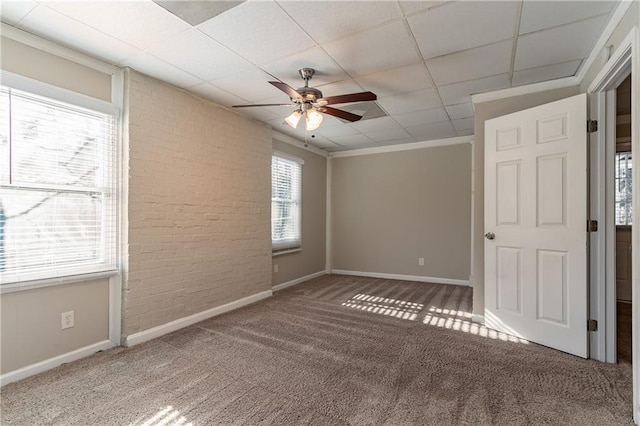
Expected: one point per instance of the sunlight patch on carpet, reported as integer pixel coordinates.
(167, 416)
(402, 309)
(461, 321)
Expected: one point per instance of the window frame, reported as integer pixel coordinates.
(86, 270)
(285, 246)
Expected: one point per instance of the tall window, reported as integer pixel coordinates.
(624, 211)
(57, 198)
(286, 188)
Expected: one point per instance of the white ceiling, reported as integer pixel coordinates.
(423, 59)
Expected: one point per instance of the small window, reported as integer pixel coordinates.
(57, 188)
(624, 209)
(286, 206)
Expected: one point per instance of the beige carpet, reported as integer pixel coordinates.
(335, 350)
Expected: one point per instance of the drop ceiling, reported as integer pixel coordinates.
(424, 59)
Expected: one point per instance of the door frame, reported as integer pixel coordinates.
(601, 91)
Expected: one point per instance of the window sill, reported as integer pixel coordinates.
(50, 282)
(287, 251)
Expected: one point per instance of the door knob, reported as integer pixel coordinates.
(490, 235)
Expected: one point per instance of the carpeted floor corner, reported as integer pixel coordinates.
(335, 350)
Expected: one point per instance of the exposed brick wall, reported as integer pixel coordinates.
(199, 206)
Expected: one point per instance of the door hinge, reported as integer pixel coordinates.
(592, 226)
(592, 126)
(592, 325)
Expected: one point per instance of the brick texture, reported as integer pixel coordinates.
(199, 206)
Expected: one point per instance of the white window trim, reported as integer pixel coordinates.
(36, 87)
(278, 251)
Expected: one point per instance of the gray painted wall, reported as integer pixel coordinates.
(314, 201)
(30, 320)
(390, 209)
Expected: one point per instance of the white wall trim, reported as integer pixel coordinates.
(48, 364)
(55, 49)
(477, 318)
(152, 333)
(618, 60)
(616, 17)
(404, 146)
(559, 83)
(418, 278)
(328, 219)
(298, 280)
(279, 136)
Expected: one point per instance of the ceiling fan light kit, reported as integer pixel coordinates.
(311, 103)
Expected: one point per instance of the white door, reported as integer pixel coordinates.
(535, 224)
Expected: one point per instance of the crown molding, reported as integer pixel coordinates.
(561, 83)
(36, 42)
(404, 147)
(297, 143)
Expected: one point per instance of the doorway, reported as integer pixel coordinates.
(623, 220)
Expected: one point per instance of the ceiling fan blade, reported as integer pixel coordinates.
(345, 115)
(260, 105)
(351, 97)
(286, 89)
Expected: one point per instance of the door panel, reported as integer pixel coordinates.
(535, 204)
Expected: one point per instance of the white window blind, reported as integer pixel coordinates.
(286, 189)
(624, 208)
(57, 188)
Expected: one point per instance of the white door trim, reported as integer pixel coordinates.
(625, 59)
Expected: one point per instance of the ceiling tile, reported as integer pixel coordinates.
(140, 24)
(360, 54)
(330, 131)
(340, 88)
(397, 80)
(259, 31)
(353, 141)
(200, 55)
(463, 25)
(549, 72)
(376, 125)
(468, 132)
(322, 143)
(471, 64)
(11, 12)
(159, 69)
(428, 132)
(264, 114)
(389, 134)
(326, 21)
(215, 94)
(252, 85)
(538, 15)
(459, 93)
(460, 110)
(54, 26)
(409, 7)
(413, 101)
(286, 69)
(463, 124)
(196, 12)
(418, 118)
(543, 48)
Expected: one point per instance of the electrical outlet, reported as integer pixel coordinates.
(67, 320)
(421, 261)
(275, 268)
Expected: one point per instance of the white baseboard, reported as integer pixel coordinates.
(48, 364)
(418, 278)
(477, 318)
(298, 280)
(169, 327)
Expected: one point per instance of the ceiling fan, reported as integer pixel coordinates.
(310, 103)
